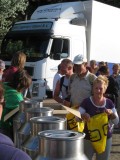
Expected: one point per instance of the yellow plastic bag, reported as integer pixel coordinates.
(72, 124)
(98, 128)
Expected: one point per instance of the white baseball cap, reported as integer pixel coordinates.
(79, 59)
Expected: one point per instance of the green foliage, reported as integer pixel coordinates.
(9, 10)
(15, 10)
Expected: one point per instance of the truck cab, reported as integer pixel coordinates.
(47, 38)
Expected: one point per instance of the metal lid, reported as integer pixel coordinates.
(26, 104)
(37, 99)
(61, 134)
(42, 109)
(27, 101)
(47, 119)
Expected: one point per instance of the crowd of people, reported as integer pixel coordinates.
(92, 91)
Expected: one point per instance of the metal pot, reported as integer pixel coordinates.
(19, 118)
(24, 131)
(61, 145)
(39, 124)
(26, 104)
(40, 101)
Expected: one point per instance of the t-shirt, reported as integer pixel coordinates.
(87, 106)
(8, 74)
(12, 98)
(64, 87)
(80, 88)
(8, 150)
(55, 79)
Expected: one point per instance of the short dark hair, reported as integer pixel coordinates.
(104, 70)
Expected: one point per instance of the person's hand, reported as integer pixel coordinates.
(66, 103)
(86, 117)
(110, 113)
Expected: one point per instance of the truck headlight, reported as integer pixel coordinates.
(35, 89)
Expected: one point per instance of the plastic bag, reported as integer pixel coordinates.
(98, 128)
(72, 124)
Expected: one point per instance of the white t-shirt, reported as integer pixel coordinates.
(57, 77)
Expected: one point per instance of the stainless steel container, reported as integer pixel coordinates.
(38, 124)
(24, 131)
(61, 145)
(40, 101)
(19, 118)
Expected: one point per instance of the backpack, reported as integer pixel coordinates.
(61, 82)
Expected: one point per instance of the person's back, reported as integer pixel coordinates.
(17, 63)
(7, 148)
(13, 95)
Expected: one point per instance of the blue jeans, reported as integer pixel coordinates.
(89, 150)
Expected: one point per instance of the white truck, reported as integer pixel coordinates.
(63, 30)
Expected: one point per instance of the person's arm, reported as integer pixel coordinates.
(113, 115)
(84, 115)
(1, 106)
(57, 93)
(57, 97)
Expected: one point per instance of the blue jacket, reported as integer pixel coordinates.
(8, 150)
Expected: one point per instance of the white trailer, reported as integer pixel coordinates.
(63, 30)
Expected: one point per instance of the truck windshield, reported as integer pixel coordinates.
(33, 46)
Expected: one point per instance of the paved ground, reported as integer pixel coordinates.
(115, 152)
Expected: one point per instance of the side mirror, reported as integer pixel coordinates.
(56, 49)
(46, 56)
(57, 56)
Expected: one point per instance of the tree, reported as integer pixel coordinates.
(9, 11)
(16, 10)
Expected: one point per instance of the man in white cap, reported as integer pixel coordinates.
(2, 67)
(81, 82)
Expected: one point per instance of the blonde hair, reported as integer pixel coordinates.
(19, 60)
(102, 79)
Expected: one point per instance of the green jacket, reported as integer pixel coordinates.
(12, 98)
